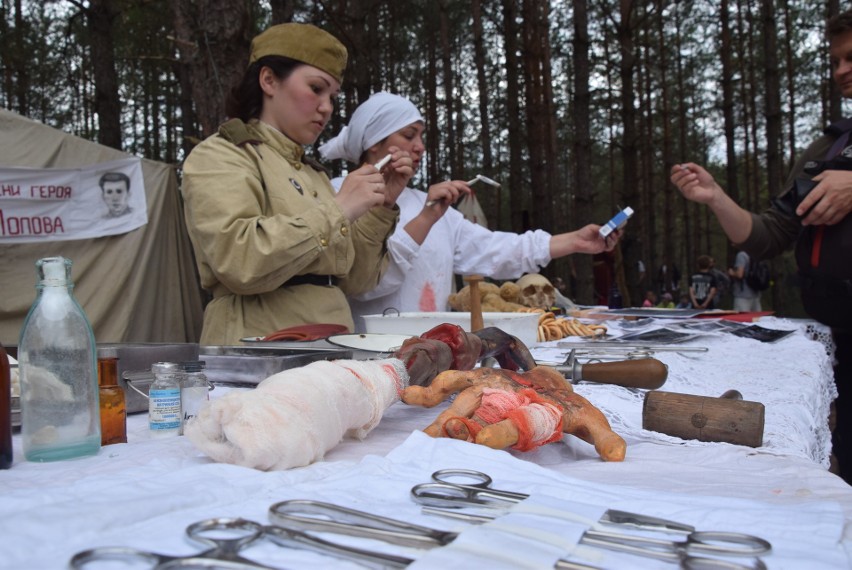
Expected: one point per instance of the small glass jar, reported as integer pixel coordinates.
(164, 414)
(112, 398)
(194, 389)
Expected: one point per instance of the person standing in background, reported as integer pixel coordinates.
(702, 284)
(723, 285)
(746, 299)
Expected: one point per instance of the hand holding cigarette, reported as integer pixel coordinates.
(479, 178)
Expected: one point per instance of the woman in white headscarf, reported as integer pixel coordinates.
(433, 243)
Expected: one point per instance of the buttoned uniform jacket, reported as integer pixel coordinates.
(259, 215)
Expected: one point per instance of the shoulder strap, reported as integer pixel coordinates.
(841, 129)
(837, 128)
(237, 132)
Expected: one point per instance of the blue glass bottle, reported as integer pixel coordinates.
(57, 364)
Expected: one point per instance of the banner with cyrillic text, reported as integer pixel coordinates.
(51, 204)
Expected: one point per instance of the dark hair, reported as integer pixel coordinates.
(839, 24)
(246, 98)
(114, 177)
(704, 262)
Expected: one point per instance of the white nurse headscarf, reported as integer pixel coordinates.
(379, 116)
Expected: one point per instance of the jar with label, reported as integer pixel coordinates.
(194, 389)
(112, 399)
(57, 365)
(164, 415)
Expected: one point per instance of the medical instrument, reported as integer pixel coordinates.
(648, 373)
(615, 346)
(306, 515)
(381, 164)
(479, 178)
(727, 418)
(223, 551)
(443, 497)
(683, 552)
(443, 492)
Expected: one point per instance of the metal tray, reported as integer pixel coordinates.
(249, 365)
(135, 359)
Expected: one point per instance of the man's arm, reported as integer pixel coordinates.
(698, 185)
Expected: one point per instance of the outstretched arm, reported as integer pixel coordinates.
(698, 185)
(585, 240)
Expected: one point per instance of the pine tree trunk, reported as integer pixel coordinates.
(213, 39)
(582, 151)
(101, 15)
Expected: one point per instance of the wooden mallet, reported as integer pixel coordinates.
(476, 321)
(727, 418)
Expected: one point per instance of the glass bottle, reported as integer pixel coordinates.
(164, 417)
(194, 390)
(5, 411)
(112, 398)
(56, 364)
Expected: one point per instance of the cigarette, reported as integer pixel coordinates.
(487, 180)
(381, 164)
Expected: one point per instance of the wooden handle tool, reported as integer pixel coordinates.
(476, 321)
(728, 418)
(648, 373)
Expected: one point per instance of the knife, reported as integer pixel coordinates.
(646, 373)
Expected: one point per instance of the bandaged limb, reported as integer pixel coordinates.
(294, 417)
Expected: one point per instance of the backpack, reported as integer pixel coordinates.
(758, 275)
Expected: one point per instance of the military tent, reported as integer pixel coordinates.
(139, 286)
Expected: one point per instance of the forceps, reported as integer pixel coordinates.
(307, 515)
(223, 552)
(443, 492)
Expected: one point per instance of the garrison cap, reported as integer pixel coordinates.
(302, 42)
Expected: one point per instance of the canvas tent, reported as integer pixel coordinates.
(140, 286)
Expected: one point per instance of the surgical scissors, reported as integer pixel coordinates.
(223, 552)
(443, 492)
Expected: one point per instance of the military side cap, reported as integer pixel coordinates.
(302, 42)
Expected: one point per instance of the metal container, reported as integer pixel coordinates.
(249, 365)
(134, 367)
(522, 325)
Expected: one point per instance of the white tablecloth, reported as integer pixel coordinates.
(144, 493)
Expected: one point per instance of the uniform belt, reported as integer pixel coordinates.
(310, 279)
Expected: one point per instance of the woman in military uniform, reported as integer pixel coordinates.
(274, 244)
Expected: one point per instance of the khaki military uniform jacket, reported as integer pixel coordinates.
(259, 215)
